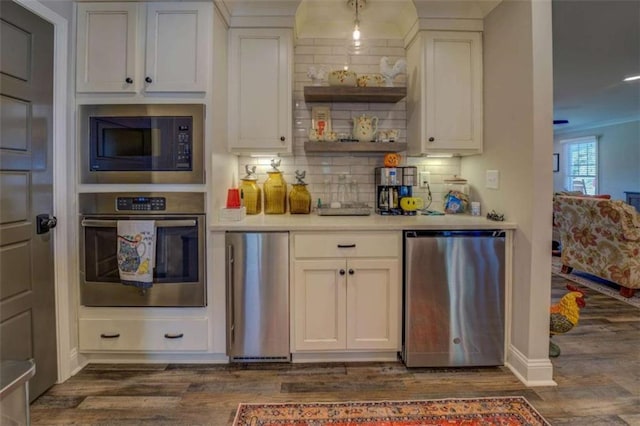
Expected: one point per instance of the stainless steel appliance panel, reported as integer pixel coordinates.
(454, 307)
(179, 272)
(258, 296)
(196, 112)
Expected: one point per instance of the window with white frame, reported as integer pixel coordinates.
(581, 164)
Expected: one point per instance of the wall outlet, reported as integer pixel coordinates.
(424, 178)
(493, 179)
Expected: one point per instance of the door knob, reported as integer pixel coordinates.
(432, 139)
(351, 271)
(128, 80)
(44, 223)
(341, 271)
(148, 80)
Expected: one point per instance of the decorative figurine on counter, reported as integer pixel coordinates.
(300, 198)
(390, 72)
(392, 159)
(275, 191)
(251, 192)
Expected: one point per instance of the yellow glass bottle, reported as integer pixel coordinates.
(251, 192)
(275, 191)
(299, 199)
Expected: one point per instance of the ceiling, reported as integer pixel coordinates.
(595, 45)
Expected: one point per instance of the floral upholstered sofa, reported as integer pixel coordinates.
(600, 237)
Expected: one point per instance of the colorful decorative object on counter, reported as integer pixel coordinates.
(300, 198)
(565, 315)
(391, 159)
(275, 191)
(250, 191)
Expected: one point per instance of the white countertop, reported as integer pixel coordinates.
(313, 222)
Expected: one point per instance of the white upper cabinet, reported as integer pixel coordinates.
(143, 47)
(444, 106)
(106, 47)
(260, 90)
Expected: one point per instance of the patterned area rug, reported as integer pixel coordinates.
(594, 283)
(502, 411)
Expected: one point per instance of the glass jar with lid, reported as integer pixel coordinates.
(275, 191)
(300, 198)
(250, 191)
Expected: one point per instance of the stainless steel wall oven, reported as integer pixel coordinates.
(179, 273)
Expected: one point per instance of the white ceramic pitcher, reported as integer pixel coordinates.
(365, 128)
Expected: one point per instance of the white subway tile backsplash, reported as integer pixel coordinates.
(359, 167)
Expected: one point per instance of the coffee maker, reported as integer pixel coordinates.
(392, 184)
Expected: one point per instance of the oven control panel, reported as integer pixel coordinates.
(141, 204)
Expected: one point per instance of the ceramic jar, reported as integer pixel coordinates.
(275, 193)
(365, 128)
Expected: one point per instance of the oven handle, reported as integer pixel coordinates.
(178, 223)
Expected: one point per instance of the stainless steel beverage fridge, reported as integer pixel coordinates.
(454, 307)
(258, 296)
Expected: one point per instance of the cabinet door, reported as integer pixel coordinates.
(453, 91)
(260, 90)
(319, 304)
(106, 47)
(177, 54)
(373, 304)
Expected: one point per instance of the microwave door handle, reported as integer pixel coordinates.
(178, 223)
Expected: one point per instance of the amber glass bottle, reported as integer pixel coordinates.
(275, 193)
(299, 199)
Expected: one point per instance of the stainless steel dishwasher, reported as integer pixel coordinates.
(454, 298)
(258, 296)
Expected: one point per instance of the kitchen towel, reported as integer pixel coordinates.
(136, 252)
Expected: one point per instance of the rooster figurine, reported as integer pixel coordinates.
(390, 72)
(564, 315)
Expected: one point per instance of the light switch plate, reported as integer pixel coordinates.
(493, 179)
(424, 178)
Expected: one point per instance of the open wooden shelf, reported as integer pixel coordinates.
(354, 94)
(365, 147)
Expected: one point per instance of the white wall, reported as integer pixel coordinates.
(618, 158)
(518, 143)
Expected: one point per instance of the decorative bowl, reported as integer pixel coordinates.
(370, 80)
(343, 78)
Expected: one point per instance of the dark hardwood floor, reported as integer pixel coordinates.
(598, 376)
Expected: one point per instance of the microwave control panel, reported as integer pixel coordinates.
(141, 204)
(183, 153)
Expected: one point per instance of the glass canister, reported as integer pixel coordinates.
(300, 198)
(275, 191)
(251, 192)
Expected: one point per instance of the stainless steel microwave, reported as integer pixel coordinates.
(141, 143)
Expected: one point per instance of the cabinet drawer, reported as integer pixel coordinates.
(347, 244)
(143, 335)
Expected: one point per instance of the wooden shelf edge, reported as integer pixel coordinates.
(371, 147)
(354, 94)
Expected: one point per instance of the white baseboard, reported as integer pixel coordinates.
(531, 372)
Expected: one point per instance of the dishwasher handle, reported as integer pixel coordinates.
(230, 298)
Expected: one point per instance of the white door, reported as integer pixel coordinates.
(27, 293)
(319, 304)
(260, 90)
(373, 300)
(453, 90)
(107, 47)
(176, 47)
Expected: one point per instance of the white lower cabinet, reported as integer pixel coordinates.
(348, 296)
(170, 334)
